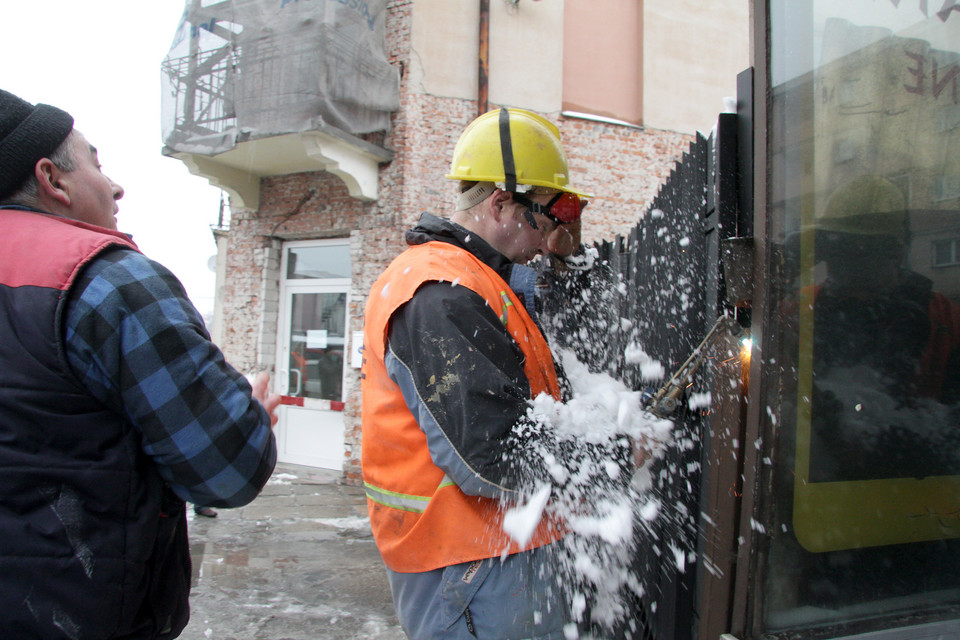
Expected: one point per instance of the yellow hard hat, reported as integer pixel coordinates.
(869, 205)
(513, 147)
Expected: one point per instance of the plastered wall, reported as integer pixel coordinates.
(692, 53)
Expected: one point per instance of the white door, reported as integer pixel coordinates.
(312, 352)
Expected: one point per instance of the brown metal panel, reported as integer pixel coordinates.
(722, 497)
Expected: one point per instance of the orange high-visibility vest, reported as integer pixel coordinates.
(931, 371)
(420, 519)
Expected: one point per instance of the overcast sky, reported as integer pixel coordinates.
(100, 61)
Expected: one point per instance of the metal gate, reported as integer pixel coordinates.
(676, 288)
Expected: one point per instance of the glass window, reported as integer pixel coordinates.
(314, 262)
(946, 252)
(317, 343)
(864, 519)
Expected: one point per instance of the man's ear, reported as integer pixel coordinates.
(496, 203)
(50, 184)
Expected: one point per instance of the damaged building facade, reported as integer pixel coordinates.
(330, 124)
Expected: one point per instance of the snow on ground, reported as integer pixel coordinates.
(352, 524)
(282, 478)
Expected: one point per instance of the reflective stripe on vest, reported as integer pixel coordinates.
(506, 306)
(406, 502)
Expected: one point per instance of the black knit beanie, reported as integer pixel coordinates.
(27, 134)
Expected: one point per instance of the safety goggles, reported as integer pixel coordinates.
(563, 208)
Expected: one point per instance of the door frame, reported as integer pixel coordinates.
(328, 411)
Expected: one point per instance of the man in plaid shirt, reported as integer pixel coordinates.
(115, 406)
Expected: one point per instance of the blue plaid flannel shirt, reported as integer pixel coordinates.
(139, 345)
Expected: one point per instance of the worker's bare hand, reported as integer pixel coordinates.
(270, 401)
(641, 453)
(565, 239)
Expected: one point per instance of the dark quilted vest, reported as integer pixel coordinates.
(92, 543)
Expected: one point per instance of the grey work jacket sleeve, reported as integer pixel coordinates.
(462, 377)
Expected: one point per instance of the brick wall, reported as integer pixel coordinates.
(622, 166)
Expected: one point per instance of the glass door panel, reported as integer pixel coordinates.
(317, 344)
(863, 525)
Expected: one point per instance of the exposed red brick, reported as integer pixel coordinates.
(621, 166)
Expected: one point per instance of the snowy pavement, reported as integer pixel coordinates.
(298, 563)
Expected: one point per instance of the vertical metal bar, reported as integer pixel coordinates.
(190, 83)
(745, 135)
(722, 440)
(483, 66)
(746, 586)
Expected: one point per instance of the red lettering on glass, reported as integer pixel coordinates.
(949, 6)
(940, 77)
(952, 72)
(917, 72)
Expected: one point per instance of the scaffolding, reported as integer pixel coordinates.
(246, 69)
